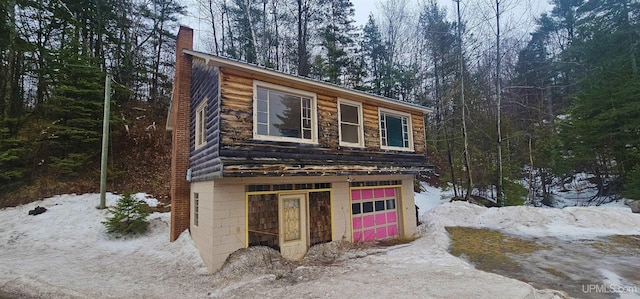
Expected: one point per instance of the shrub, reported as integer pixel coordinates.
(129, 216)
(632, 184)
(514, 193)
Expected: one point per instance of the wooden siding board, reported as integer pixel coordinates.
(238, 148)
(204, 162)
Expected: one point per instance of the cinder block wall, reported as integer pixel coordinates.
(180, 139)
(229, 230)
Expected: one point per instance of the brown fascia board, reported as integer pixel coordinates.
(218, 61)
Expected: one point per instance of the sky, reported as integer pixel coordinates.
(528, 8)
(519, 13)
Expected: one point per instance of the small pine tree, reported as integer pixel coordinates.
(514, 193)
(129, 216)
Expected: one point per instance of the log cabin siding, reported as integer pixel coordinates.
(237, 109)
(242, 155)
(327, 121)
(204, 162)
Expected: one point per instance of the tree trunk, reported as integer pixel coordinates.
(212, 15)
(254, 39)
(531, 190)
(303, 63)
(277, 35)
(499, 190)
(467, 159)
(8, 56)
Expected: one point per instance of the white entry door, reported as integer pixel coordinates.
(293, 226)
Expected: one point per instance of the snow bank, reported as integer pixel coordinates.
(66, 253)
(570, 222)
(430, 198)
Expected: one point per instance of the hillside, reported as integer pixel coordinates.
(139, 160)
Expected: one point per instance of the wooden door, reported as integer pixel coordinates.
(293, 226)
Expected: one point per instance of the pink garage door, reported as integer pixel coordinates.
(374, 214)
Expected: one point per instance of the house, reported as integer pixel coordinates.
(261, 157)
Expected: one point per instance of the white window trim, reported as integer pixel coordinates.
(293, 91)
(360, 126)
(201, 108)
(409, 128)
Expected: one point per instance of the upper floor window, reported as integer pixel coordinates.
(284, 114)
(201, 124)
(350, 123)
(395, 130)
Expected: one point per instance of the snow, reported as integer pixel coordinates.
(567, 223)
(151, 201)
(66, 253)
(430, 198)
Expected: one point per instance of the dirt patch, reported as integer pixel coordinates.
(618, 244)
(574, 266)
(489, 249)
(261, 260)
(257, 260)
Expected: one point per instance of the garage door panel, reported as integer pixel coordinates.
(370, 235)
(381, 232)
(368, 221)
(392, 217)
(374, 213)
(392, 230)
(357, 223)
(389, 192)
(381, 219)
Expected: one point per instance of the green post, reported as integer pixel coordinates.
(105, 143)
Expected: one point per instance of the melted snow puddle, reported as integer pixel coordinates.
(599, 268)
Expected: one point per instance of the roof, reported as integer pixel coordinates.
(219, 61)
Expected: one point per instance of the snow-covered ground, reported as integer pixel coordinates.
(66, 253)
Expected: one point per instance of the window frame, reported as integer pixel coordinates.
(201, 125)
(291, 91)
(395, 113)
(196, 208)
(358, 106)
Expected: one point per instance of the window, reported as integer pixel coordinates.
(350, 123)
(284, 114)
(196, 208)
(201, 124)
(395, 130)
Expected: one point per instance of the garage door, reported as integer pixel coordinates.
(374, 214)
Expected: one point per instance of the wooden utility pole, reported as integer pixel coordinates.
(105, 142)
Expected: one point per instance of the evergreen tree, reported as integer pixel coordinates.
(603, 130)
(374, 52)
(128, 216)
(75, 112)
(337, 39)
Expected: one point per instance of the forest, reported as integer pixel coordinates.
(518, 107)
